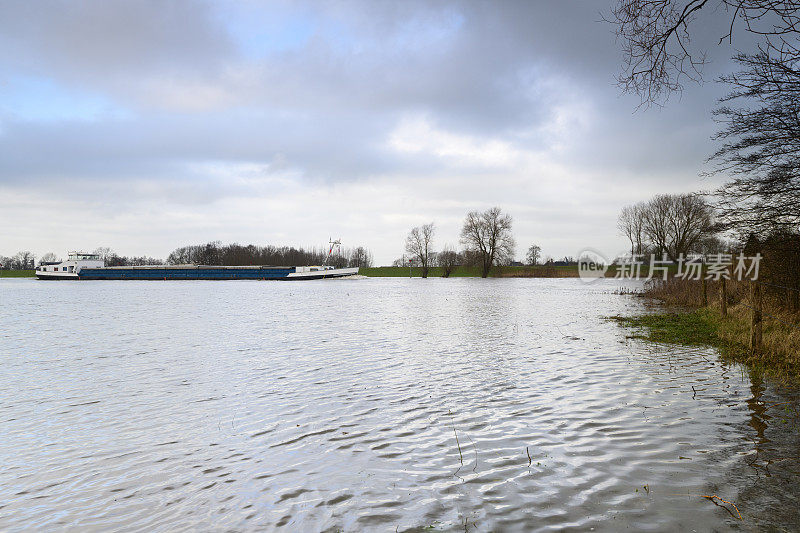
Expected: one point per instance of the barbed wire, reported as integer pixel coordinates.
(772, 316)
(773, 285)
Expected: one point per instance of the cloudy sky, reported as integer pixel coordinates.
(147, 125)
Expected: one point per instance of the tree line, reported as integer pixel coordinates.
(671, 225)
(486, 237)
(216, 253)
(487, 241)
(24, 260)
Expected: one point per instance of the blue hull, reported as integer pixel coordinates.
(188, 273)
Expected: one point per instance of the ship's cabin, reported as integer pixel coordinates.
(314, 268)
(80, 256)
(75, 261)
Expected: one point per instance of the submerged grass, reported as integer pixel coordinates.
(690, 328)
(698, 324)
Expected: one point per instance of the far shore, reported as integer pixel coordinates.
(536, 271)
(539, 271)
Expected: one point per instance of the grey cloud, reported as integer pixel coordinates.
(102, 39)
(323, 109)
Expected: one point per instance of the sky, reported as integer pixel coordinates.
(148, 125)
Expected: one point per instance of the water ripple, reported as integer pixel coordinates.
(375, 405)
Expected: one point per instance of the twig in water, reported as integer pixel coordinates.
(460, 455)
(474, 468)
(724, 501)
(529, 456)
(459, 446)
(694, 393)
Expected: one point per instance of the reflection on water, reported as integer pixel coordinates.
(375, 404)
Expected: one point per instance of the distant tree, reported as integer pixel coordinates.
(418, 245)
(631, 224)
(448, 259)
(104, 252)
(117, 260)
(49, 257)
(360, 257)
(488, 235)
(711, 244)
(216, 253)
(533, 255)
(677, 223)
(23, 261)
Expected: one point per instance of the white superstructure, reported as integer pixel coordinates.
(68, 269)
(322, 271)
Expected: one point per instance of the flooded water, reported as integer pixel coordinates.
(375, 405)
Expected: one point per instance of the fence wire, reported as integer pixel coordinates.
(772, 316)
(774, 285)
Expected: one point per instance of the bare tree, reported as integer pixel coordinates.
(105, 253)
(656, 38)
(448, 260)
(49, 257)
(631, 224)
(677, 223)
(533, 255)
(216, 253)
(418, 244)
(360, 257)
(23, 261)
(488, 235)
(761, 148)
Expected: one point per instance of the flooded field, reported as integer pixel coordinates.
(376, 404)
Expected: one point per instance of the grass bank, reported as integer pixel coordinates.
(694, 323)
(416, 272)
(538, 271)
(17, 273)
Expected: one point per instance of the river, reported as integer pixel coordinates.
(380, 404)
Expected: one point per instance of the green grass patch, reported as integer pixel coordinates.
(689, 328)
(17, 273)
(705, 327)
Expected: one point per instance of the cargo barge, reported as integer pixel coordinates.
(83, 266)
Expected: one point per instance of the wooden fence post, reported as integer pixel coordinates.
(756, 318)
(705, 292)
(723, 300)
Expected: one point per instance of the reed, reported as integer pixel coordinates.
(543, 271)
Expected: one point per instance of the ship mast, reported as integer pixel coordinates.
(337, 244)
